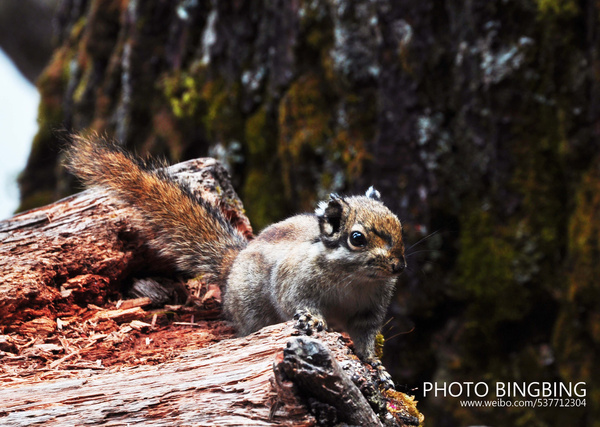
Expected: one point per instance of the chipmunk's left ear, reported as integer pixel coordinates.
(331, 215)
(373, 194)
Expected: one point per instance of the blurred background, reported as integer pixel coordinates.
(477, 121)
(25, 48)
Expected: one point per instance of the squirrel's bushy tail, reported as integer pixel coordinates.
(188, 230)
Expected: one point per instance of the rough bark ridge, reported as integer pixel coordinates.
(478, 119)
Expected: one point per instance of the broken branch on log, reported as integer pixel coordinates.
(309, 364)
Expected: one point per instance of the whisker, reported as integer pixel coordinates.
(422, 250)
(424, 238)
(388, 321)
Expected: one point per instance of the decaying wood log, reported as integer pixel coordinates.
(230, 383)
(79, 249)
(227, 384)
(77, 352)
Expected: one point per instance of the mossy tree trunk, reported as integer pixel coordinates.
(477, 119)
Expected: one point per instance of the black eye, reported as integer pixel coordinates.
(357, 240)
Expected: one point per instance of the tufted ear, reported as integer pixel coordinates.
(373, 194)
(330, 215)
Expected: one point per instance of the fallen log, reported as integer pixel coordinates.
(227, 384)
(239, 381)
(75, 350)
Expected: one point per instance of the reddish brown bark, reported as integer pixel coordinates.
(80, 249)
(238, 381)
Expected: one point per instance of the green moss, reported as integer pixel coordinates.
(78, 28)
(262, 195)
(182, 92)
(485, 266)
(539, 180)
(258, 137)
(576, 333)
(565, 8)
(82, 87)
(222, 119)
(305, 122)
(304, 119)
(352, 136)
(584, 242)
(257, 201)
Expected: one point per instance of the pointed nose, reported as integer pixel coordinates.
(399, 265)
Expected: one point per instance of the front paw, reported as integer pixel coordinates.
(307, 323)
(383, 376)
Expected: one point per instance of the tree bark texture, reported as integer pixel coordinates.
(477, 121)
(84, 248)
(232, 383)
(227, 384)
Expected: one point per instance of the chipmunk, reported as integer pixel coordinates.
(337, 267)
